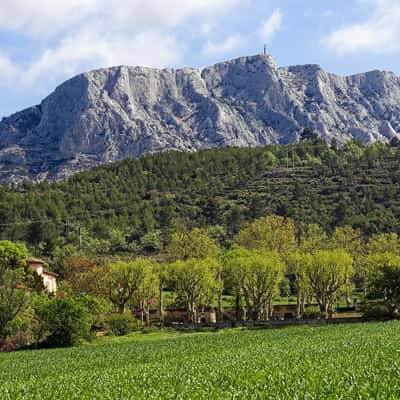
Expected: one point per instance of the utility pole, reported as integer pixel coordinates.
(80, 237)
(293, 157)
(287, 158)
(265, 49)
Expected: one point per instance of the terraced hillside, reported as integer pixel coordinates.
(158, 194)
(367, 196)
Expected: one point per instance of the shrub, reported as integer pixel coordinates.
(312, 313)
(63, 322)
(121, 324)
(8, 346)
(377, 311)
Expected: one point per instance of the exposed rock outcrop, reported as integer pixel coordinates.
(110, 114)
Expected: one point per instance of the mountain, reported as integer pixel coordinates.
(115, 113)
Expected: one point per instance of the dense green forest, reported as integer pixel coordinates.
(135, 205)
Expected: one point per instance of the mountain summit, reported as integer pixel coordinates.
(114, 113)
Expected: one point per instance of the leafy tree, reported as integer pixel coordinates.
(350, 240)
(117, 239)
(297, 266)
(13, 281)
(308, 135)
(384, 243)
(63, 322)
(254, 277)
(315, 238)
(234, 261)
(83, 275)
(384, 278)
(328, 273)
(124, 279)
(194, 281)
(263, 274)
(146, 292)
(162, 271)
(271, 233)
(152, 242)
(193, 244)
(284, 288)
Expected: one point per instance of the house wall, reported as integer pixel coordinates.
(50, 283)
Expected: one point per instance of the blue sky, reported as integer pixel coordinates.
(43, 43)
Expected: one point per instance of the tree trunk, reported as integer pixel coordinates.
(302, 306)
(192, 314)
(161, 303)
(147, 315)
(348, 298)
(142, 317)
(270, 308)
(121, 308)
(237, 306)
(220, 313)
(298, 311)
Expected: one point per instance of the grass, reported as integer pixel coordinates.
(357, 361)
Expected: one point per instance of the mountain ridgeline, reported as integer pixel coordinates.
(135, 204)
(112, 114)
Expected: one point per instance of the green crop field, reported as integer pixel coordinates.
(331, 362)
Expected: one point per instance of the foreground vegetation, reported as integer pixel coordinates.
(335, 362)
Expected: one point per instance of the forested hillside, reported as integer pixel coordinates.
(135, 205)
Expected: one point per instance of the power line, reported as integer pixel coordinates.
(67, 221)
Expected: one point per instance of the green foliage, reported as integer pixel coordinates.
(124, 279)
(327, 273)
(384, 243)
(115, 205)
(193, 244)
(308, 134)
(152, 242)
(196, 283)
(273, 233)
(377, 311)
(121, 324)
(284, 287)
(384, 278)
(63, 322)
(312, 313)
(329, 362)
(13, 279)
(254, 278)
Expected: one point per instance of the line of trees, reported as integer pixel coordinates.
(318, 267)
(197, 274)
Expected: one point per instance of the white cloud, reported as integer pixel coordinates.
(52, 16)
(270, 26)
(8, 70)
(89, 49)
(380, 33)
(206, 28)
(79, 35)
(44, 16)
(163, 13)
(229, 44)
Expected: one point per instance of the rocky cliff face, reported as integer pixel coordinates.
(110, 114)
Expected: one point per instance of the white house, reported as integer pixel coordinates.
(49, 278)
